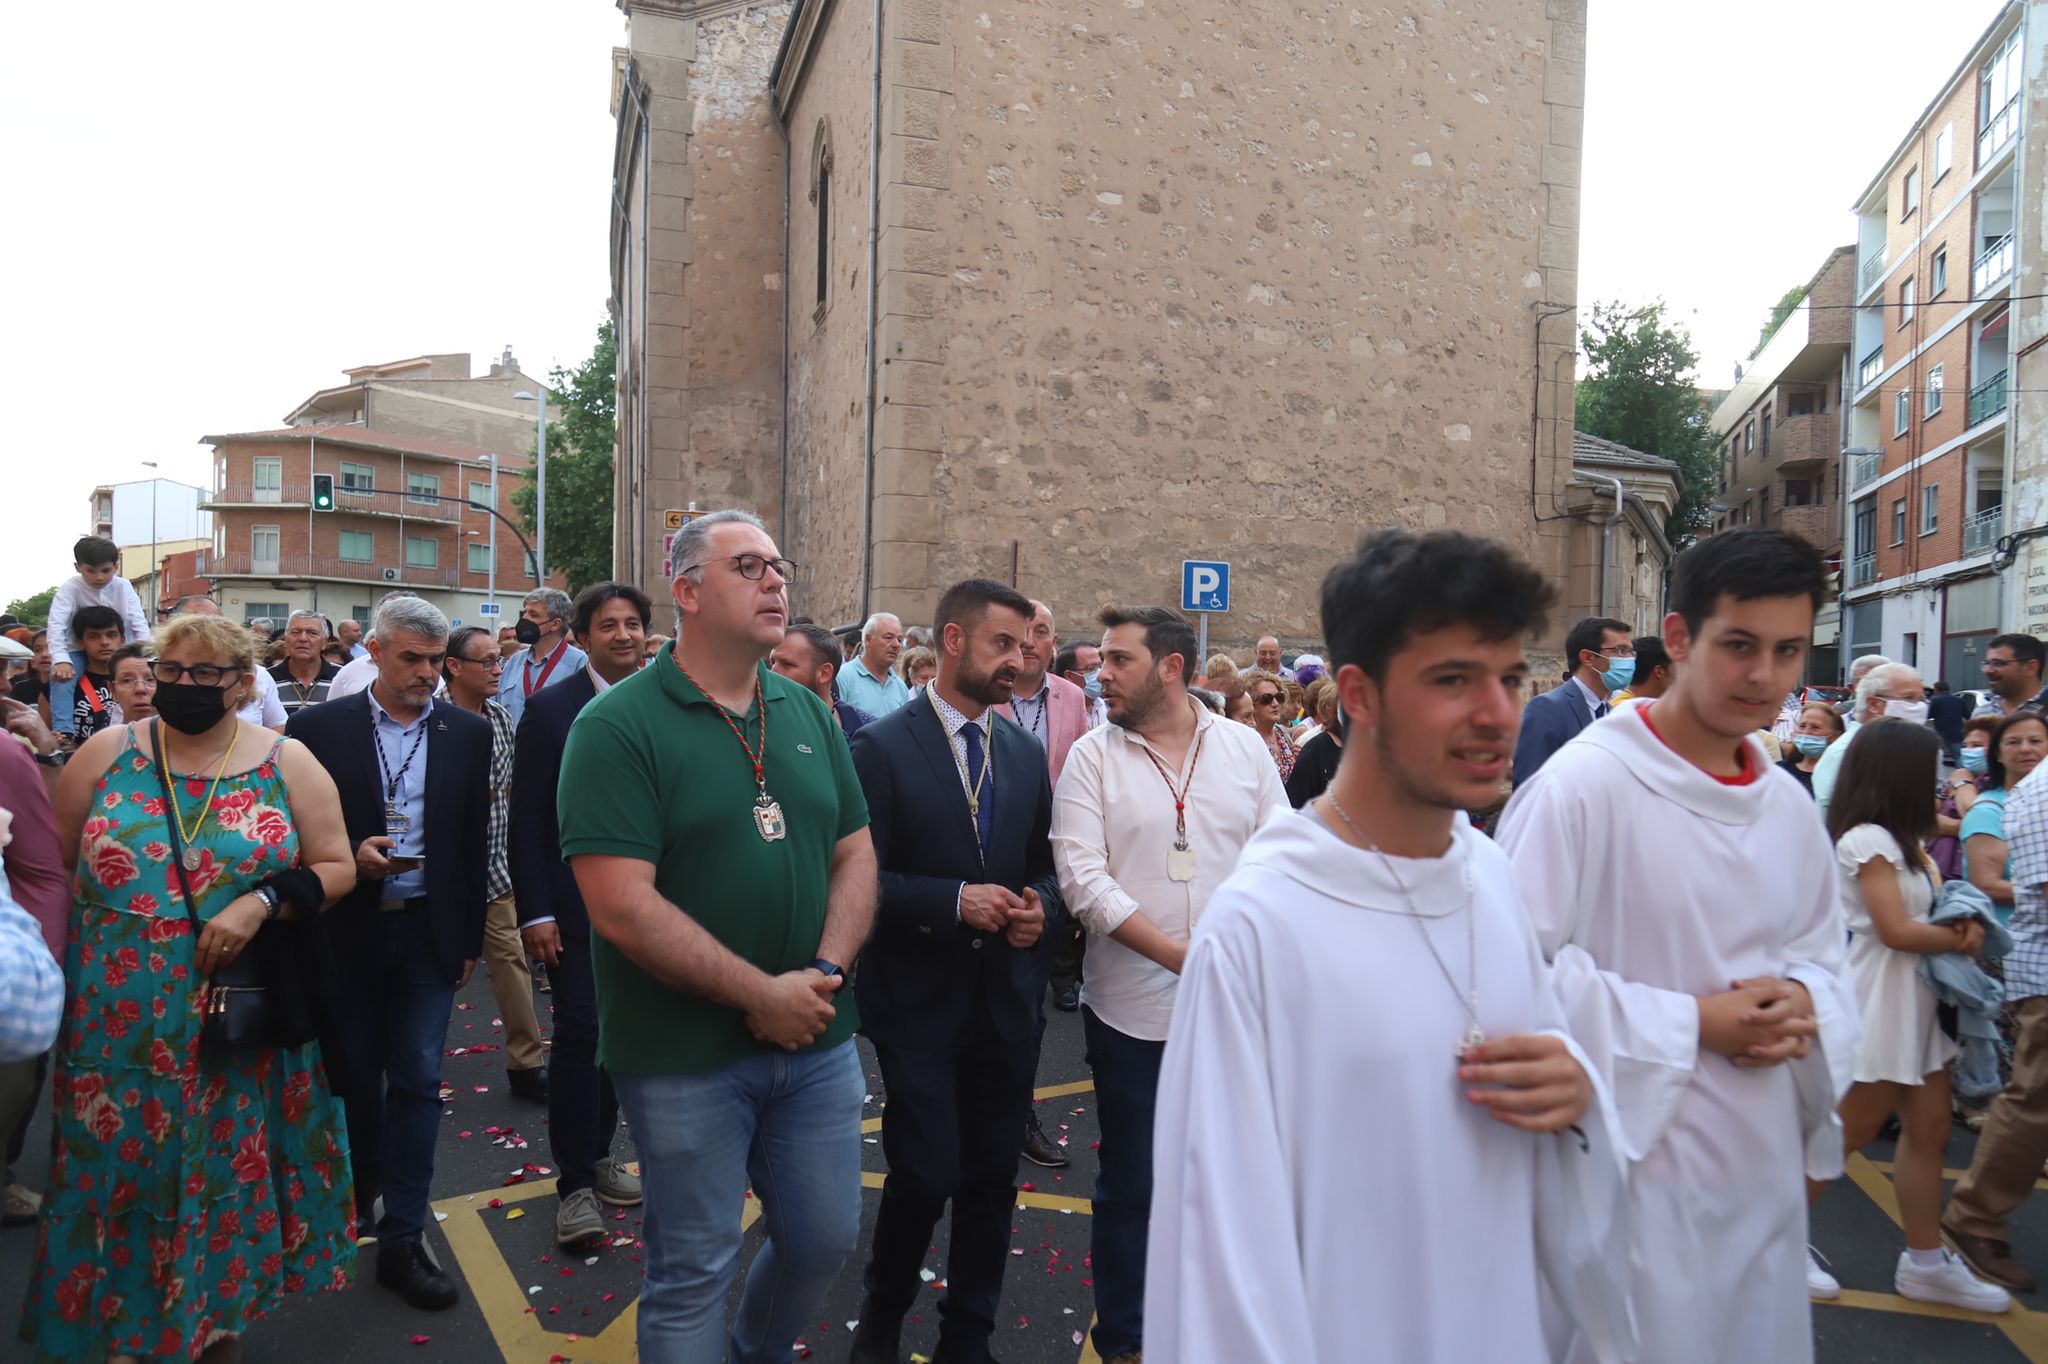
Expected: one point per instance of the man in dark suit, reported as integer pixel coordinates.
(960, 809)
(414, 776)
(1602, 660)
(609, 622)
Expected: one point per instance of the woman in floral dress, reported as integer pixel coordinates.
(190, 1189)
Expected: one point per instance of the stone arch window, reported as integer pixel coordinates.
(821, 197)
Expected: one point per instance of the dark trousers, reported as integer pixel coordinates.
(953, 1129)
(21, 1082)
(1067, 954)
(583, 1111)
(1126, 1100)
(386, 1056)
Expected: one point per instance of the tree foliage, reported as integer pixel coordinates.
(1780, 310)
(1639, 391)
(34, 610)
(582, 407)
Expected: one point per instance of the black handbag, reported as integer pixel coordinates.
(264, 998)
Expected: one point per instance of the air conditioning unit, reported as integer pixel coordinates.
(390, 575)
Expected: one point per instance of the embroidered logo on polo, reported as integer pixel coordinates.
(803, 748)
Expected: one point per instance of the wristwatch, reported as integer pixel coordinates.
(271, 904)
(828, 968)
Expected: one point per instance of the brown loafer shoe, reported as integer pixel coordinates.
(1991, 1259)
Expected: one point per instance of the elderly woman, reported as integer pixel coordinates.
(191, 1188)
(917, 667)
(1269, 696)
(134, 684)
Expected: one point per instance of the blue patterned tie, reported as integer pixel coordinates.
(970, 736)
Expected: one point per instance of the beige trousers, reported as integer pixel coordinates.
(511, 984)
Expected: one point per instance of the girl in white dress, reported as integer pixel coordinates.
(1883, 811)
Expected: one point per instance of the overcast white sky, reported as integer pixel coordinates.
(215, 208)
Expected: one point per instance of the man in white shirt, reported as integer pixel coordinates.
(1151, 813)
(1266, 655)
(868, 681)
(1371, 954)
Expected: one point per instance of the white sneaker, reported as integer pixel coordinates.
(1819, 1283)
(1951, 1283)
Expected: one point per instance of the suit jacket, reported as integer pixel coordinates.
(458, 849)
(541, 880)
(919, 973)
(1549, 722)
(1066, 719)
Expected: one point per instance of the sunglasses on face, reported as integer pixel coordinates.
(1269, 699)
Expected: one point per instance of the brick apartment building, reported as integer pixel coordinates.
(1783, 427)
(394, 439)
(1930, 432)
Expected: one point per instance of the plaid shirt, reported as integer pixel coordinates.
(2026, 835)
(1996, 709)
(501, 795)
(31, 985)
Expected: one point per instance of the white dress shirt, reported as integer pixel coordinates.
(1112, 828)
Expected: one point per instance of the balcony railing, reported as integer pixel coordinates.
(1999, 129)
(1863, 469)
(1870, 367)
(1981, 531)
(242, 491)
(1863, 570)
(1987, 399)
(239, 565)
(1993, 265)
(1870, 274)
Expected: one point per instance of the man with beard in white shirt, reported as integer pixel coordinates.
(1715, 1010)
(1371, 953)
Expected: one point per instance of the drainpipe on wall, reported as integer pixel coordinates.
(867, 553)
(782, 442)
(1607, 538)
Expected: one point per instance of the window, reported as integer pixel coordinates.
(1767, 435)
(1801, 492)
(821, 199)
(266, 478)
(272, 611)
(263, 549)
(1902, 411)
(1907, 295)
(526, 566)
(480, 493)
(358, 478)
(1909, 194)
(1934, 382)
(360, 615)
(422, 551)
(1930, 508)
(1910, 654)
(1764, 506)
(1998, 84)
(479, 558)
(1749, 438)
(1944, 151)
(1899, 522)
(1863, 528)
(1799, 404)
(1937, 274)
(423, 488)
(358, 546)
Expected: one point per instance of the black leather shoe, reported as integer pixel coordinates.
(1066, 998)
(530, 1084)
(406, 1269)
(1040, 1150)
(950, 1352)
(879, 1337)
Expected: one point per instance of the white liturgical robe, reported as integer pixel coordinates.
(1322, 1188)
(1652, 884)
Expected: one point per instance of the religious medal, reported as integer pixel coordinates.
(1180, 858)
(768, 819)
(1472, 1040)
(1180, 864)
(190, 859)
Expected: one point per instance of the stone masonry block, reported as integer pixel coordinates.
(663, 340)
(1557, 246)
(666, 277)
(912, 113)
(922, 253)
(917, 21)
(901, 427)
(906, 519)
(904, 295)
(1566, 11)
(1567, 41)
(672, 179)
(1564, 82)
(1560, 165)
(669, 114)
(904, 473)
(666, 402)
(1563, 208)
(668, 433)
(902, 566)
(918, 382)
(915, 161)
(668, 213)
(668, 246)
(1567, 125)
(921, 66)
(908, 604)
(665, 75)
(668, 371)
(664, 35)
(904, 338)
(913, 206)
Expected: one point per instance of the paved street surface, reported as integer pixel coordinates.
(525, 1302)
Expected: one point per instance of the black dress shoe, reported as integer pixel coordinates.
(407, 1269)
(879, 1337)
(530, 1084)
(1039, 1149)
(1066, 998)
(951, 1352)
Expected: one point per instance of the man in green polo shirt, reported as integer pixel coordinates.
(711, 814)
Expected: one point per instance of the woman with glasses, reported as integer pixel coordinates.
(191, 1188)
(1269, 695)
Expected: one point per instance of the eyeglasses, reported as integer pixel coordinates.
(204, 674)
(752, 566)
(487, 661)
(1269, 699)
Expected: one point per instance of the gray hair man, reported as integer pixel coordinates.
(1891, 690)
(547, 656)
(869, 681)
(303, 675)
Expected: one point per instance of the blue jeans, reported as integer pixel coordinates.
(64, 695)
(1126, 1101)
(789, 1125)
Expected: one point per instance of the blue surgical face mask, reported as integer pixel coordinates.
(1973, 760)
(1813, 745)
(1620, 672)
(1091, 684)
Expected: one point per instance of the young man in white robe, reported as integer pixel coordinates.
(1368, 1076)
(1715, 1007)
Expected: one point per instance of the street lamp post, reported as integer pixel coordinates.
(155, 570)
(540, 473)
(491, 589)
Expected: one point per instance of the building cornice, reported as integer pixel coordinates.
(799, 39)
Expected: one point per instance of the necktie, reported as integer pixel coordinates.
(977, 760)
(1600, 711)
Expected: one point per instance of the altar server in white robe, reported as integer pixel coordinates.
(1368, 1077)
(1685, 891)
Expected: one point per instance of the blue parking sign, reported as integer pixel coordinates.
(1204, 585)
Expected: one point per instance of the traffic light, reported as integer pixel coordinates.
(323, 492)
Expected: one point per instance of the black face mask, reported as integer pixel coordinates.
(525, 631)
(190, 708)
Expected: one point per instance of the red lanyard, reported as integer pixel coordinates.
(1180, 797)
(526, 669)
(758, 759)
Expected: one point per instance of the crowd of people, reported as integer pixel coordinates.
(247, 867)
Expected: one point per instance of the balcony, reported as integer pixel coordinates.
(1869, 367)
(240, 565)
(1999, 129)
(1994, 264)
(1864, 469)
(1870, 274)
(1863, 570)
(1987, 399)
(1805, 445)
(240, 492)
(1981, 531)
(1816, 523)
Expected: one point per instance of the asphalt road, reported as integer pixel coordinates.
(523, 1301)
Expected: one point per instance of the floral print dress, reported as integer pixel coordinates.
(189, 1191)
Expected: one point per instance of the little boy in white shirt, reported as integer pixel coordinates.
(98, 583)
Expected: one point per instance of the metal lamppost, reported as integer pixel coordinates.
(155, 569)
(491, 590)
(540, 472)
